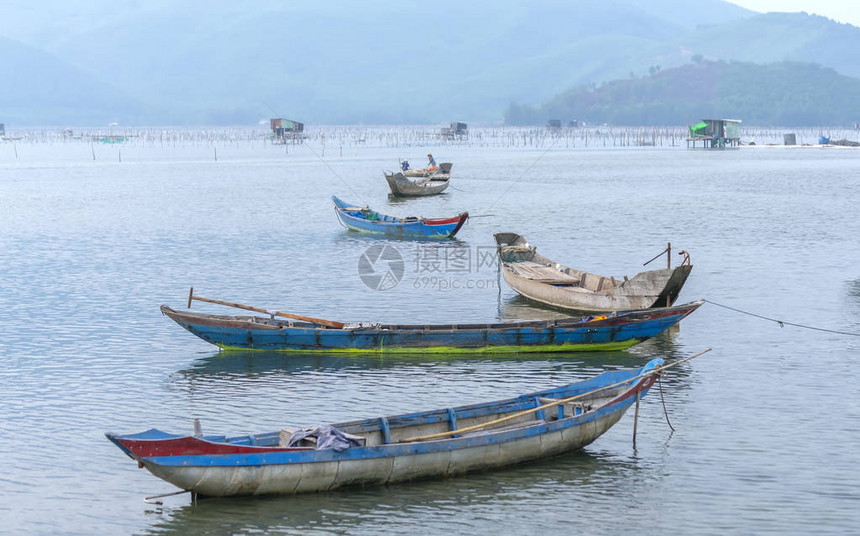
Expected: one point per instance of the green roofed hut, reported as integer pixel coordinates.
(715, 133)
(286, 130)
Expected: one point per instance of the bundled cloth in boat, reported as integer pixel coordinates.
(324, 437)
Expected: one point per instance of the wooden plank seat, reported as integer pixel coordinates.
(543, 273)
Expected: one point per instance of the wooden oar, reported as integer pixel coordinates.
(549, 405)
(320, 321)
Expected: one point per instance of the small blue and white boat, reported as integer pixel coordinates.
(386, 450)
(366, 220)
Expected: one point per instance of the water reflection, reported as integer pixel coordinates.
(854, 290)
(520, 308)
(248, 364)
(399, 200)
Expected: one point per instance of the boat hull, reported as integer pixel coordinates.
(615, 332)
(638, 293)
(547, 430)
(404, 187)
(385, 466)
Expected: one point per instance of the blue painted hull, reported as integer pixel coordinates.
(396, 448)
(260, 333)
(365, 220)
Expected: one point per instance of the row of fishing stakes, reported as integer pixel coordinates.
(406, 137)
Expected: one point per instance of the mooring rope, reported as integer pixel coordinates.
(152, 498)
(782, 323)
(655, 371)
(524, 173)
(321, 159)
(663, 400)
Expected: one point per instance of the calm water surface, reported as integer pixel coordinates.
(767, 430)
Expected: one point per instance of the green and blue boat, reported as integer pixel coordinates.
(611, 331)
(367, 220)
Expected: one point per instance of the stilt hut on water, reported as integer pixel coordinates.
(457, 131)
(284, 130)
(715, 133)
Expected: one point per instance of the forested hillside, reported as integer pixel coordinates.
(784, 93)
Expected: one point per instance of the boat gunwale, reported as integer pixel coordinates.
(640, 380)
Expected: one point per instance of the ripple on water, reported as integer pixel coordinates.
(766, 430)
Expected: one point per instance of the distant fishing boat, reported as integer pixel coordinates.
(396, 448)
(432, 184)
(543, 280)
(606, 332)
(364, 219)
(442, 171)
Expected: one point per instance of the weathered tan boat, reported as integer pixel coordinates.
(405, 187)
(543, 280)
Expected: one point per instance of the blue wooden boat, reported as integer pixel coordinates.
(612, 331)
(396, 448)
(365, 220)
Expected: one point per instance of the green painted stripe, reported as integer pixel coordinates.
(452, 349)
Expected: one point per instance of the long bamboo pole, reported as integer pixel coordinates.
(551, 404)
(320, 321)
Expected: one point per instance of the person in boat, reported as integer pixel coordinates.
(404, 165)
(431, 165)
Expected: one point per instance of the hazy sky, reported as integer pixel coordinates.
(840, 10)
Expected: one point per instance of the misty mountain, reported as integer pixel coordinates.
(774, 37)
(39, 88)
(382, 62)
